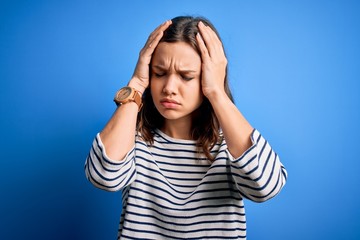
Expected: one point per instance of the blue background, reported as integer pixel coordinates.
(294, 71)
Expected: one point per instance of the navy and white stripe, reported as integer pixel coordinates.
(170, 191)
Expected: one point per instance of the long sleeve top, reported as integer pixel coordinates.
(171, 191)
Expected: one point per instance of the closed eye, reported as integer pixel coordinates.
(159, 74)
(187, 78)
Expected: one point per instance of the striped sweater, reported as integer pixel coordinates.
(170, 191)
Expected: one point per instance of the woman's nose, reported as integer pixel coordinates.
(170, 85)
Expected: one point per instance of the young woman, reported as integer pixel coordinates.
(177, 146)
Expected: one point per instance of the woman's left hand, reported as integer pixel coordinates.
(213, 61)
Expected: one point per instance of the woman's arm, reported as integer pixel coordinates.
(235, 127)
(118, 136)
(258, 173)
(255, 167)
(107, 174)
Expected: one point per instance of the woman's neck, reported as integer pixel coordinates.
(177, 129)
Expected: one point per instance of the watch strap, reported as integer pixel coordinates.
(135, 96)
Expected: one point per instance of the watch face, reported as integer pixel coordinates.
(123, 93)
(127, 94)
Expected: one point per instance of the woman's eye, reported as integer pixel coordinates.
(159, 74)
(187, 78)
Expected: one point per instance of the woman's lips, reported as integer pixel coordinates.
(169, 103)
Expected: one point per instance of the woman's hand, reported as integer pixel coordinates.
(213, 61)
(140, 79)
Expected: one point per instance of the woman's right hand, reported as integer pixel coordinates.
(140, 79)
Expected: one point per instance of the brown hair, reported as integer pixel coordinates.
(205, 126)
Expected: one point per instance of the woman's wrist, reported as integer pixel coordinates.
(216, 95)
(137, 84)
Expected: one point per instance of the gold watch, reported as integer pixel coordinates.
(128, 94)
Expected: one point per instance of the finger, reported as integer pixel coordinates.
(164, 25)
(207, 38)
(211, 40)
(203, 49)
(153, 40)
(155, 34)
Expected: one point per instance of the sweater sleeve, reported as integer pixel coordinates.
(258, 173)
(108, 174)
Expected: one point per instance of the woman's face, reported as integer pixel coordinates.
(175, 80)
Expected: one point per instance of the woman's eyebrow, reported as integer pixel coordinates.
(163, 68)
(160, 67)
(186, 71)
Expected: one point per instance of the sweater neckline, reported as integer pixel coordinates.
(174, 140)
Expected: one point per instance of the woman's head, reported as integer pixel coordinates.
(204, 125)
(175, 84)
(184, 29)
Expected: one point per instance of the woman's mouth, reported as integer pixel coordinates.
(169, 103)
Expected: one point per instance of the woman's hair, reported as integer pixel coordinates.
(205, 127)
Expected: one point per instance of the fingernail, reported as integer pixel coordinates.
(198, 36)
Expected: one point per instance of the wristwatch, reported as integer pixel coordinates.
(128, 94)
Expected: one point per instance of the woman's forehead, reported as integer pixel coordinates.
(179, 53)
